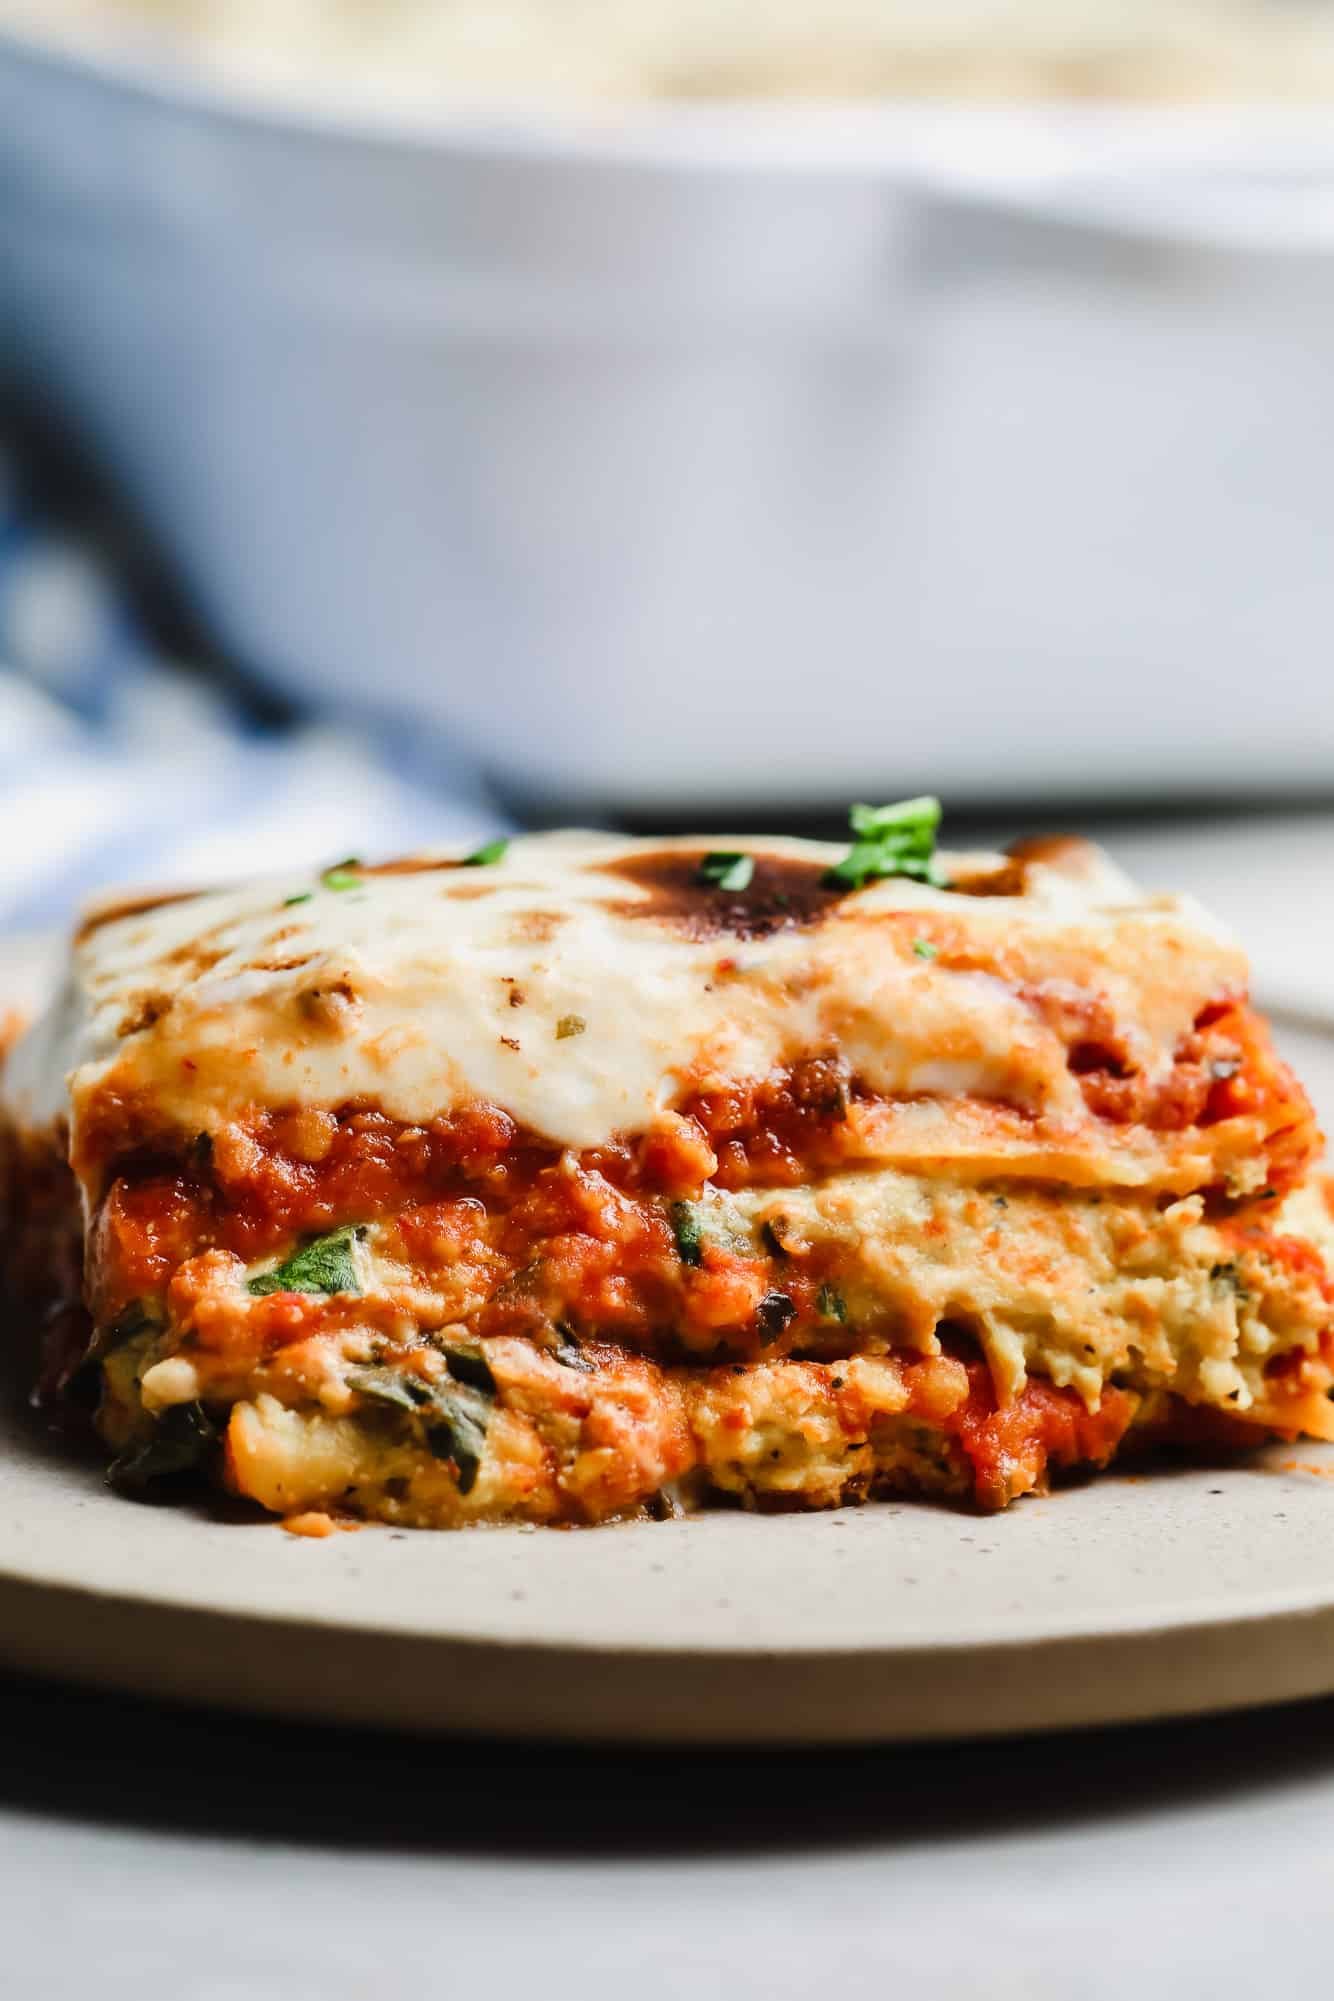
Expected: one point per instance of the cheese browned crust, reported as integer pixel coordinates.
(575, 1184)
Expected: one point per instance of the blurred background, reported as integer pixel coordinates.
(424, 416)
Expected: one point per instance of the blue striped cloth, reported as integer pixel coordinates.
(120, 765)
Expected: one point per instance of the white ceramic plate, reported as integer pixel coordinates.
(1168, 1593)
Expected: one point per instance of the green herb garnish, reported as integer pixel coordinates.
(297, 896)
(891, 840)
(924, 948)
(344, 875)
(326, 1264)
(483, 857)
(181, 1438)
(568, 1025)
(831, 1303)
(728, 871)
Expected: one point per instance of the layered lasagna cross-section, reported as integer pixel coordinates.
(589, 1177)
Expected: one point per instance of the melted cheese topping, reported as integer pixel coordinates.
(567, 985)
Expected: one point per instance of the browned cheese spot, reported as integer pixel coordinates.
(408, 865)
(147, 1010)
(783, 894)
(194, 959)
(536, 927)
(332, 1006)
(134, 906)
(1068, 854)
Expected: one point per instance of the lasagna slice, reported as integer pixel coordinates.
(586, 1177)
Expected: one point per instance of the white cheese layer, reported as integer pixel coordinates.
(561, 988)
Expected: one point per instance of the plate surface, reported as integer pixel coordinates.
(1166, 1593)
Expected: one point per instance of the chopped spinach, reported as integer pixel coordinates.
(469, 1365)
(831, 1303)
(132, 1320)
(325, 1264)
(181, 1439)
(458, 1432)
(568, 1352)
(389, 1386)
(453, 1414)
(697, 1225)
(687, 1222)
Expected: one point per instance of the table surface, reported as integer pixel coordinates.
(148, 1854)
(153, 1854)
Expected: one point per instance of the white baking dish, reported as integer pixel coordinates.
(711, 463)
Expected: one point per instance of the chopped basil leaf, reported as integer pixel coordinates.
(483, 857)
(469, 1365)
(344, 875)
(568, 1352)
(298, 896)
(458, 1434)
(454, 1414)
(326, 1264)
(924, 948)
(831, 1303)
(773, 1315)
(568, 1025)
(389, 1386)
(889, 841)
(136, 1318)
(686, 1222)
(181, 1438)
(728, 871)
